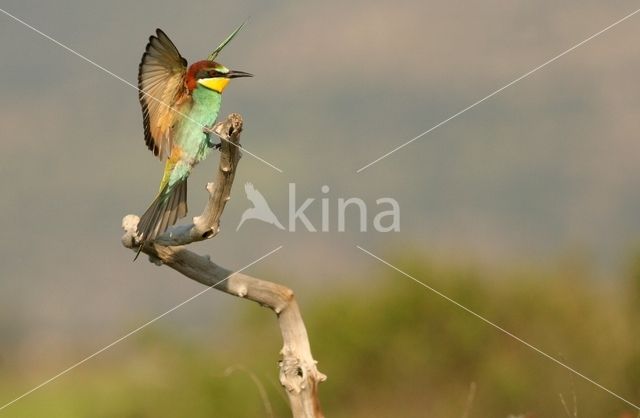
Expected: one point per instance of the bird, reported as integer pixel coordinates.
(179, 103)
(260, 209)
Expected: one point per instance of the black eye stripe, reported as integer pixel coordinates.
(209, 74)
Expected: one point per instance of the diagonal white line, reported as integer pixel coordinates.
(146, 324)
(499, 328)
(525, 75)
(79, 55)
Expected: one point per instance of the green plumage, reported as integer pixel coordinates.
(191, 145)
(190, 140)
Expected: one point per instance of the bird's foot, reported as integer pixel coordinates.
(210, 143)
(210, 133)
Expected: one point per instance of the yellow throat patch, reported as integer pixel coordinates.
(216, 83)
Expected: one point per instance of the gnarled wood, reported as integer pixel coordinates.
(298, 372)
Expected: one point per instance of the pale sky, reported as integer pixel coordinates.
(546, 168)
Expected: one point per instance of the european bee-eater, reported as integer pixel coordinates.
(177, 103)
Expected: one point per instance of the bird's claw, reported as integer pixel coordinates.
(209, 132)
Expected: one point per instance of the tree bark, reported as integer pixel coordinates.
(298, 372)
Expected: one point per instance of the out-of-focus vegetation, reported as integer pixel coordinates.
(391, 348)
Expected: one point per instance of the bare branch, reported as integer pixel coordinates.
(298, 372)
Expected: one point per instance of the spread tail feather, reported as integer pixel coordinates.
(166, 209)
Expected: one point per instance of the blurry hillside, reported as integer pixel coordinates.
(391, 349)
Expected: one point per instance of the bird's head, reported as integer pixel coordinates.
(211, 74)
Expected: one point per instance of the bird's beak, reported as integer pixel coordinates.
(237, 74)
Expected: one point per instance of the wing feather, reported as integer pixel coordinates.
(161, 84)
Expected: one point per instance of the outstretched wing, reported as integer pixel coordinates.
(161, 84)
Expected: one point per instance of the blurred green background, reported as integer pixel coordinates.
(389, 349)
(524, 208)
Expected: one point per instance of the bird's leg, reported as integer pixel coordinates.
(209, 132)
